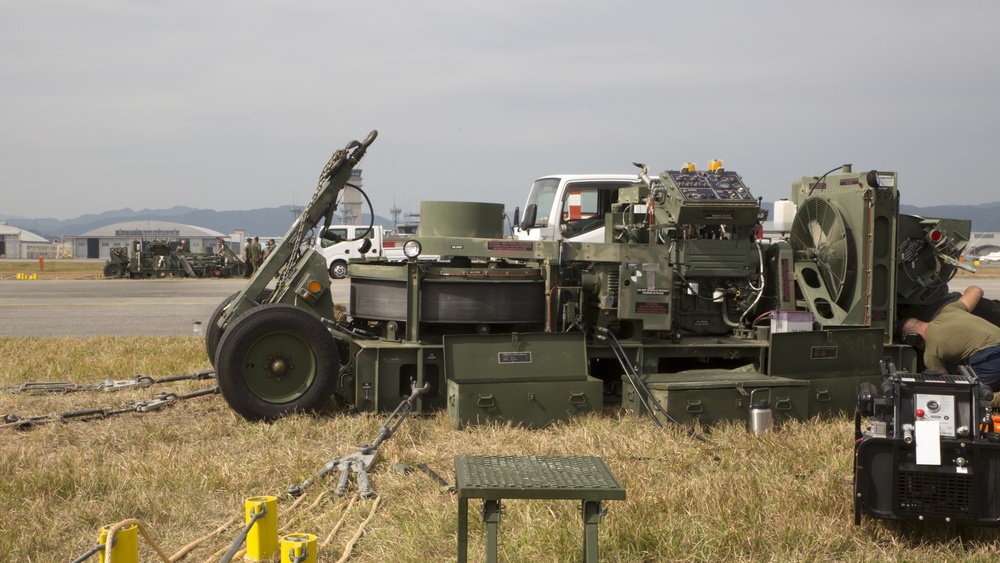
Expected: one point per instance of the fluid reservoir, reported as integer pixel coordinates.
(784, 214)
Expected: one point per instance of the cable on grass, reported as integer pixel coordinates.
(336, 527)
(142, 530)
(361, 530)
(191, 546)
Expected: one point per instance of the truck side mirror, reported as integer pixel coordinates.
(517, 216)
(529, 217)
(365, 246)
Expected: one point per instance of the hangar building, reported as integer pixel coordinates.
(15, 242)
(98, 242)
(983, 243)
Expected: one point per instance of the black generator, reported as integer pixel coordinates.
(929, 450)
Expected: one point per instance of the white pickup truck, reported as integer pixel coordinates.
(570, 206)
(339, 246)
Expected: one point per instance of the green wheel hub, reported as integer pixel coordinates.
(279, 367)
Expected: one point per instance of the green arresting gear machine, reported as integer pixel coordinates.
(157, 259)
(682, 311)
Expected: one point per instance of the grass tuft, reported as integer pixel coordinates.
(186, 470)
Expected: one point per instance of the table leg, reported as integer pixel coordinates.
(491, 517)
(463, 530)
(591, 512)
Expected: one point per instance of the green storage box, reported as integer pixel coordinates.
(710, 396)
(533, 404)
(826, 353)
(837, 395)
(493, 358)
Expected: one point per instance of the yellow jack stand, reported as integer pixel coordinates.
(298, 548)
(125, 548)
(262, 539)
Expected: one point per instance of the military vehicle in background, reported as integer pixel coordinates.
(681, 311)
(157, 259)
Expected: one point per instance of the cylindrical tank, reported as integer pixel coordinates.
(461, 219)
(784, 214)
(761, 418)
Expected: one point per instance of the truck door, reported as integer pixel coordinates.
(584, 205)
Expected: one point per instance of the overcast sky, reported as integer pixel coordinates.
(227, 105)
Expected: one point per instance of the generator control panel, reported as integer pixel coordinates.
(717, 197)
(701, 186)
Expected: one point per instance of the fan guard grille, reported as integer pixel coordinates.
(820, 232)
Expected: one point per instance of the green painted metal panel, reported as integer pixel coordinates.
(708, 397)
(461, 219)
(515, 357)
(826, 354)
(531, 404)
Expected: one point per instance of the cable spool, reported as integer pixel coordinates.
(298, 548)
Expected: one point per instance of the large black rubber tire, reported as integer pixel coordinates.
(276, 359)
(213, 334)
(338, 269)
(113, 270)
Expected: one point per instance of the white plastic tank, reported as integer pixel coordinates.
(784, 214)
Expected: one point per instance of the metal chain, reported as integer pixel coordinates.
(161, 400)
(107, 385)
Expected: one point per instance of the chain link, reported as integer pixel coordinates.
(107, 385)
(141, 381)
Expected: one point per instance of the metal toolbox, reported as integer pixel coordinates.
(710, 396)
(533, 404)
(491, 358)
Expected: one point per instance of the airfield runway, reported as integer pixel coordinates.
(86, 308)
(156, 307)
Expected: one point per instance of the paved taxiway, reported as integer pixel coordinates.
(155, 307)
(115, 307)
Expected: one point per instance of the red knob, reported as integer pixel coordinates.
(920, 413)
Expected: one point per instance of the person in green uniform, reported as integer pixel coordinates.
(246, 257)
(256, 253)
(956, 336)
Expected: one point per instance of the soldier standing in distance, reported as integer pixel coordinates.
(246, 257)
(256, 254)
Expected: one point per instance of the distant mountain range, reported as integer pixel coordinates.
(274, 221)
(985, 217)
(266, 222)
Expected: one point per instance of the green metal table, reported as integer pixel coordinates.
(493, 478)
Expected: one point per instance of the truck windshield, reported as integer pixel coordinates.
(543, 191)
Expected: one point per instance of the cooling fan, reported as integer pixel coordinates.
(820, 234)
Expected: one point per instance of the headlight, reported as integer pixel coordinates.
(411, 249)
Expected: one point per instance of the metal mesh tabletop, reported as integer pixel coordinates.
(536, 477)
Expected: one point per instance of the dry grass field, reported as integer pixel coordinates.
(52, 269)
(185, 471)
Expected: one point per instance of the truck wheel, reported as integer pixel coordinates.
(113, 270)
(213, 334)
(212, 331)
(276, 359)
(338, 270)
